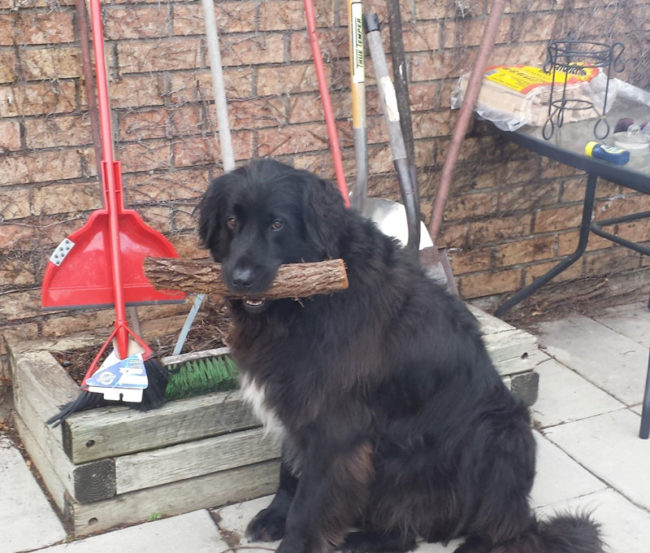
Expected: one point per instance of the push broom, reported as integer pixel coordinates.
(101, 265)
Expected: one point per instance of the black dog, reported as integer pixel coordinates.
(392, 416)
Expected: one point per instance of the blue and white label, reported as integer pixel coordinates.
(127, 373)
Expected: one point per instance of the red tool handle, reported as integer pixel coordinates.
(335, 148)
(111, 180)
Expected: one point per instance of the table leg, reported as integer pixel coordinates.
(644, 432)
(587, 213)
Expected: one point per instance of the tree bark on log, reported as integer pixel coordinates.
(295, 280)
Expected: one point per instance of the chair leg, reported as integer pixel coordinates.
(645, 410)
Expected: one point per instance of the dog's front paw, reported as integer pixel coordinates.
(268, 525)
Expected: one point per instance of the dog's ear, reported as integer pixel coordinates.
(324, 215)
(212, 210)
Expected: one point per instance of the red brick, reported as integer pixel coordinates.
(20, 305)
(573, 189)
(7, 66)
(67, 198)
(291, 139)
(333, 44)
(464, 206)
(257, 112)
(461, 33)
(309, 108)
(141, 125)
(51, 63)
(436, 10)
(499, 228)
(195, 151)
(611, 261)
(528, 197)
(14, 203)
(157, 217)
(426, 66)
(137, 91)
(453, 235)
(470, 261)
(433, 123)
(287, 79)
(166, 186)
(9, 136)
(533, 271)
(561, 218)
(422, 96)
(525, 251)
(13, 235)
(187, 120)
(637, 231)
(290, 14)
(40, 167)
(28, 27)
(158, 55)
(489, 283)
(135, 22)
(65, 324)
(69, 130)
(567, 242)
(255, 50)
(197, 85)
(619, 206)
(144, 156)
(37, 98)
(422, 37)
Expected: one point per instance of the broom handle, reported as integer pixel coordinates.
(326, 101)
(111, 179)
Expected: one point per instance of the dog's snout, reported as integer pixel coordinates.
(242, 277)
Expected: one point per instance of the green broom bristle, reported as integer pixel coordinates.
(201, 376)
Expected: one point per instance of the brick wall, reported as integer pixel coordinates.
(510, 214)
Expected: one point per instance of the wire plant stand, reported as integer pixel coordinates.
(574, 57)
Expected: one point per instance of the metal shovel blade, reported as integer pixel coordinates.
(78, 274)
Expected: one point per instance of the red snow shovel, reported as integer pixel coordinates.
(101, 264)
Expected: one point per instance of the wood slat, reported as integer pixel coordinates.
(114, 431)
(192, 459)
(203, 492)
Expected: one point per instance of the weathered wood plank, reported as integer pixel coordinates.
(36, 382)
(114, 431)
(207, 491)
(192, 459)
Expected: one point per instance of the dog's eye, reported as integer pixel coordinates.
(231, 222)
(277, 224)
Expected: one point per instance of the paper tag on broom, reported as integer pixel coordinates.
(120, 379)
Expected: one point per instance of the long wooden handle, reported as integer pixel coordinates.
(295, 280)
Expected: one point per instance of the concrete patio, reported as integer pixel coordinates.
(590, 457)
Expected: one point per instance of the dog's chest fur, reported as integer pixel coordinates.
(255, 396)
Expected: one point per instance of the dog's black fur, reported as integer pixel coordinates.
(393, 418)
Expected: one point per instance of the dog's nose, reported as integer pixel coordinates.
(242, 278)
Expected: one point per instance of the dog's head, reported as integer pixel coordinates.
(264, 214)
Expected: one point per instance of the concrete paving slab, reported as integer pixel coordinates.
(195, 532)
(613, 362)
(27, 520)
(559, 477)
(608, 446)
(625, 527)
(234, 519)
(566, 396)
(631, 320)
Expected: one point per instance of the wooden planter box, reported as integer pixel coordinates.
(115, 465)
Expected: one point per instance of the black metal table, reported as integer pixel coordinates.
(567, 146)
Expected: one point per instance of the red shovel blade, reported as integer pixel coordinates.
(78, 274)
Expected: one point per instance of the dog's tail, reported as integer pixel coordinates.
(564, 533)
